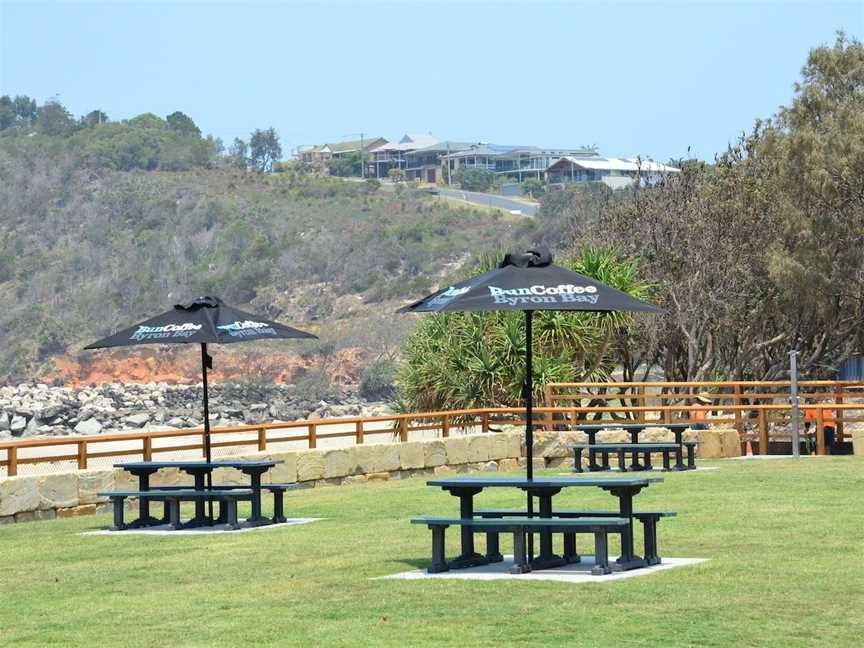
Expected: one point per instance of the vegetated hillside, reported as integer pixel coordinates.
(84, 251)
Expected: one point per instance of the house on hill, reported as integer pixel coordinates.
(394, 155)
(321, 153)
(614, 172)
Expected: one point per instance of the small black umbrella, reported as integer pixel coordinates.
(529, 282)
(206, 320)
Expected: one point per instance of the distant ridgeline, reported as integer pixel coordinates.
(103, 223)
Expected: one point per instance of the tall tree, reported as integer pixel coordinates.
(239, 153)
(94, 118)
(264, 149)
(53, 118)
(182, 124)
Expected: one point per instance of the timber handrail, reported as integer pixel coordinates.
(82, 448)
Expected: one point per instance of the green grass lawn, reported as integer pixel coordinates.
(785, 541)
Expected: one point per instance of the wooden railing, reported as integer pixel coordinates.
(743, 404)
(749, 418)
(256, 437)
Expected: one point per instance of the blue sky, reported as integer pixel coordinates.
(633, 78)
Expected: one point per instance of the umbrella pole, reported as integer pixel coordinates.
(529, 421)
(205, 363)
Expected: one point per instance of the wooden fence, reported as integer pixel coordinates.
(745, 405)
(751, 407)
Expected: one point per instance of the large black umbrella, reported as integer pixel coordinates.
(206, 320)
(529, 282)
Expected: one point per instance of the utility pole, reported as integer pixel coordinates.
(362, 159)
(793, 395)
(449, 180)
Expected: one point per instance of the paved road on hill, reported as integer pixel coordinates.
(490, 200)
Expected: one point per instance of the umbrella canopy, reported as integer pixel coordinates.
(206, 320)
(529, 282)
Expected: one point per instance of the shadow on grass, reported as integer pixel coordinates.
(416, 563)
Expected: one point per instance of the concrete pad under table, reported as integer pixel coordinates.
(217, 529)
(573, 573)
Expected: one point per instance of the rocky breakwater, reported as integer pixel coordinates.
(36, 409)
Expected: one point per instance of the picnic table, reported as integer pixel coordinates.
(634, 429)
(198, 470)
(544, 489)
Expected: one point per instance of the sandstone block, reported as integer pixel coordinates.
(91, 482)
(434, 453)
(478, 447)
(354, 479)
(444, 471)
(561, 463)
(7, 519)
(25, 516)
(498, 445)
(711, 446)
(123, 480)
(613, 436)
(378, 476)
(457, 450)
(285, 472)
(411, 455)
(508, 465)
(515, 444)
(18, 494)
(58, 491)
(337, 463)
(730, 441)
(76, 511)
(490, 466)
(310, 465)
(388, 457)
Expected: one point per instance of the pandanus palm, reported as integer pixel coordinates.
(471, 359)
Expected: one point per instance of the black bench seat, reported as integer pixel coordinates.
(278, 491)
(519, 527)
(172, 497)
(649, 520)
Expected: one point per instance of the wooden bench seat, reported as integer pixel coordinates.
(172, 497)
(519, 527)
(649, 520)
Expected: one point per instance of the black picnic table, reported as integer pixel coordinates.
(634, 429)
(198, 470)
(545, 488)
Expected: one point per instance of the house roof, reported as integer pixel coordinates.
(615, 164)
(408, 143)
(354, 145)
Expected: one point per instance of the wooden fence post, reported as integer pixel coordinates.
(358, 430)
(736, 400)
(445, 426)
(313, 436)
(548, 417)
(82, 454)
(641, 401)
(838, 414)
(147, 451)
(403, 429)
(485, 422)
(763, 432)
(12, 461)
(820, 432)
(262, 439)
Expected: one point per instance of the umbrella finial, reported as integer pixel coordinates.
(537, 257)
(200, 302)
